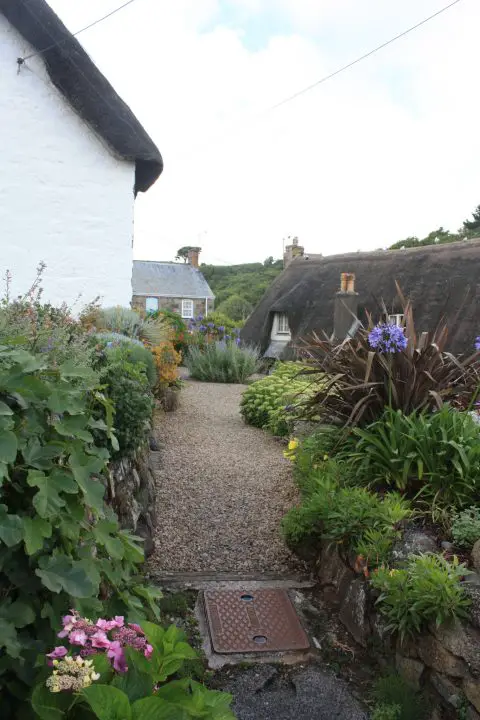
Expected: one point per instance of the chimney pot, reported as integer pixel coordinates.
(347, 283)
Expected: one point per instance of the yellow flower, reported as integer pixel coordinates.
(293, 444)
(325, 457)
(392, 572)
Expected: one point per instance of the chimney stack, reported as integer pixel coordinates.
(193, 254)
(292, 251)
(346, 307)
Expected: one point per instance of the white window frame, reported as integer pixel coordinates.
(280, 328)
(187, 309)
(396, 319)
(146, 304)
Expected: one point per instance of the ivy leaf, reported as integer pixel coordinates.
(4, 409)
(154, 708)
(113, 545)
(107, 702)
(71, 369)
(47, 500)
(11, 527)
(73, 426)
(8, 638)
(8, 446)
(59, 573)
(19, 613)
(83, 467)
(68, 400)
(35, 530)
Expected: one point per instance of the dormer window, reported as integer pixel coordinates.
(396, 319)
(280, 328)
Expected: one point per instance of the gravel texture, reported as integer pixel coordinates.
(222, 488)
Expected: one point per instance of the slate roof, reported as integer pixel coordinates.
(84, 87)
(441, 281)
(164, 279)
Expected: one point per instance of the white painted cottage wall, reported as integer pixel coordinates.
(64, 198)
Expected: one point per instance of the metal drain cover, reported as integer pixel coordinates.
(257, 621)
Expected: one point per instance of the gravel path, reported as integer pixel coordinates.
(222, 488)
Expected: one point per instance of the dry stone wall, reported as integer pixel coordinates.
(446, 660)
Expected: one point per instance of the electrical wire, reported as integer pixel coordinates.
(362, 57)
(87, 27)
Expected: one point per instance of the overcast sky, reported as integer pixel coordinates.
(390, 148)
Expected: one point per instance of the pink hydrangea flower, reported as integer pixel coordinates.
(148, 651)
(58, 652)
(136, 627)
(106, 625)
(115, 653)
(100, 640)
(78, 637)
(120, 620)
(68, 622)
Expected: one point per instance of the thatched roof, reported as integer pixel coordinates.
(84, 87)
(441, 281)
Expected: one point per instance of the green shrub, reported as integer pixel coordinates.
(318, 447)
(60, 545)
(466, 528)
(222, 320)
(387, 712)
(222, 363)
(353, 517)
(435, 457)
(125, 321)
(178, 327)
(393, 694)
(134, 353)
(269, 403)
(428, 589)
(127, 386)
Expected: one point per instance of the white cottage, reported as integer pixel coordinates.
(72, 158)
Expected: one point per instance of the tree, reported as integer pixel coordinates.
(182, 254)
(472, 227)
(236, 307)
(268, 262)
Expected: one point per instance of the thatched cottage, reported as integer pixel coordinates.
(73, 158)
(316, 293)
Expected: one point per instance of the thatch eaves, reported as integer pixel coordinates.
(84, 87)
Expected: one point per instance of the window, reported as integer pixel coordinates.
(396, 319)
(280, 329)
(151, 304)
(282, 324)
(187, 309)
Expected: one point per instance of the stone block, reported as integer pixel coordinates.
(411, 670)
(413, 542)
(354, 611)
(408, 648)
(451, 693)
(334, 576)
(461, 639)
(471, 688)
(476, 555)
(436, 656)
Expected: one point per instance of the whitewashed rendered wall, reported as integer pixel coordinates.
(64, 198)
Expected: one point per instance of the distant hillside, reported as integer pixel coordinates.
(235, 283)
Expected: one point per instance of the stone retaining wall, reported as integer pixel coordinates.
(131, 492)
(446, 660)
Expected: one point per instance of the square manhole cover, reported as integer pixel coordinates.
(257, 621)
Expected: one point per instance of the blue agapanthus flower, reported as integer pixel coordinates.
(477, 343)
(199, 318)
(387, 338)
(221, 328)
(226, 337)
(202, 328)
(237, 340)
(211, 325)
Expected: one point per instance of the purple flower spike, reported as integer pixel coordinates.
(387, 338)
(477, 343)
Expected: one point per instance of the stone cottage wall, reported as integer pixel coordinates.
(446, 660)
(173, 304)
